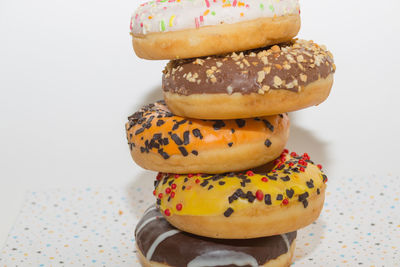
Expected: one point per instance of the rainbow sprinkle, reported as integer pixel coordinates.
(172, 15)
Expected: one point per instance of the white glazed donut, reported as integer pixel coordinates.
(170, 29)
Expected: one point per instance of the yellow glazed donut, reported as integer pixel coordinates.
(194, 28)
(163, 142)
(270, 200)
(160, 244)
(261, 82)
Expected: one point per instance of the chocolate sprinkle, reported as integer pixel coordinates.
(197, 133)
(250, 197)
(163, 154)
(218, 125)
(267, 199)
(139, 131)
(285, 178)
(176, 139)
(186, 138)
(203, 184)
(183, 151)
(240, 123)
(268, 143)
(303, 196)
(160, 122)
(228, 212)
(269, 125)
(289, 193)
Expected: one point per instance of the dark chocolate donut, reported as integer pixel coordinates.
(160, 242)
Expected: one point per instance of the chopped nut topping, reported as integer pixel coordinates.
(246, 62)
(281, 66)
(199, 61)
(264, 60)
(229, 89)
(276, 48)
(267, 70)
(277, 81)
(300, 58)
(265, 88)
(261, 76)
(303, 77)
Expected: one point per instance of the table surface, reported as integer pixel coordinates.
(359, 225)
(69, 79)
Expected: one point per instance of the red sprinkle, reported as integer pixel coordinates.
(168, 190)
(302, 169)
(250, 173)
(167, 212)
(273, 170)
(285, 151)
(190, 175)
(319, 166)
(264, 179)
(154, 192)
(302, 162)
(173, 186)
(160, 195)
(176, 175)
(172, 194)
(179, 206)
(291, 164)
(197, 181)
(293, 154)
(285, 201)
(306, 156)
(159, 176)
(259, 195)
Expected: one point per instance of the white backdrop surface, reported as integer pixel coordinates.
(69, 78)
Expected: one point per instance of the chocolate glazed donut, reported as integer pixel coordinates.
(259, 82)
(159, 242)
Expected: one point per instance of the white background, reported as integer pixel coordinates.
(69, 78)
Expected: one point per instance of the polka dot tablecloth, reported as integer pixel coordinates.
(359, 226)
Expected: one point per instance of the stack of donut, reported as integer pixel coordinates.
(227, 191)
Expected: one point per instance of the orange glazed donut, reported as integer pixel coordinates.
(282, 197)
(161, 141)
(260, 82)
(194, 28)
